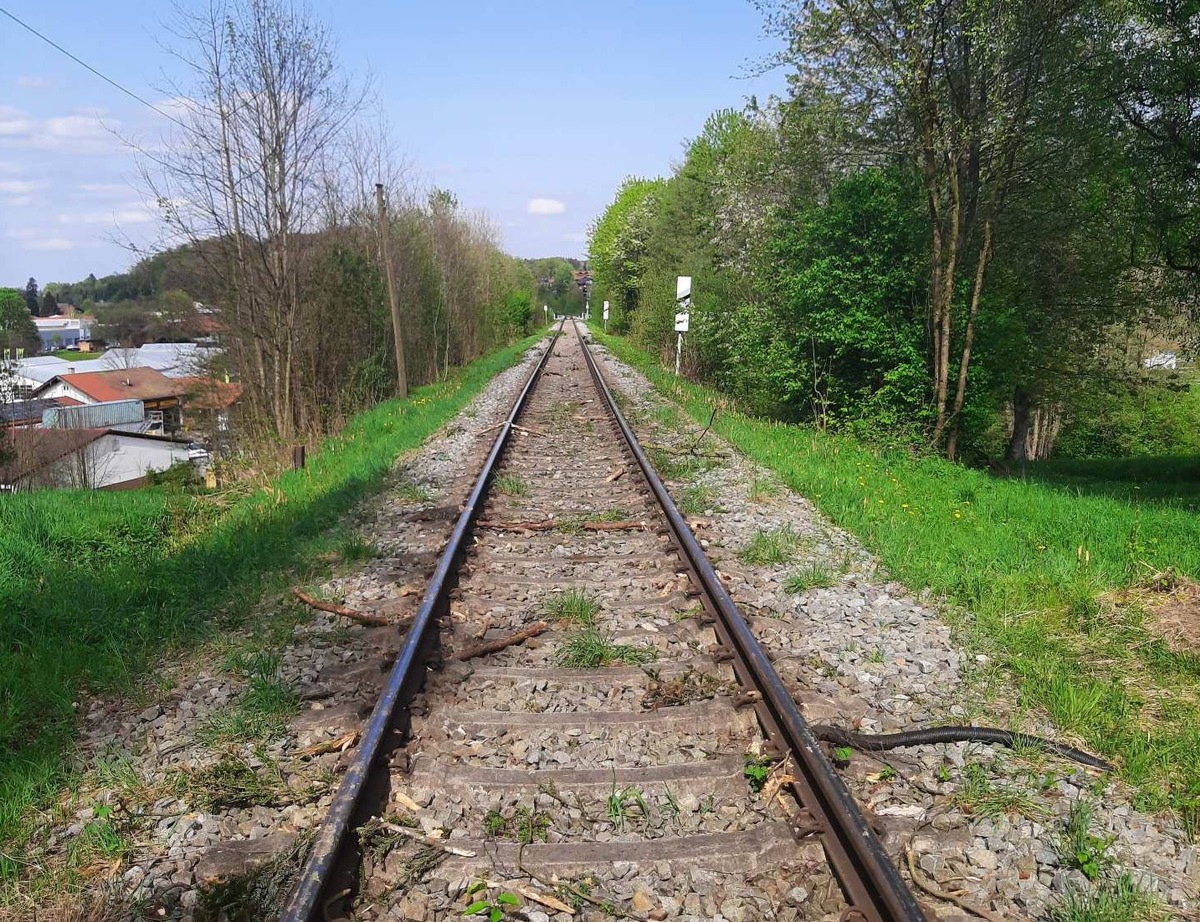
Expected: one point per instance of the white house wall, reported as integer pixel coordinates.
(62, 389)
(114, 459)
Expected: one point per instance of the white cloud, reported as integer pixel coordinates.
(18, 186)
(19, 201)
(86, 131)
(545, 206)
(14, 122)
(105, 189)
(129, 214)
(34, 83)
(50, 243)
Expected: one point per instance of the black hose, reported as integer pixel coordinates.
(870, 742)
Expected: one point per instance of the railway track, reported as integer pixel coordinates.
(635, 757)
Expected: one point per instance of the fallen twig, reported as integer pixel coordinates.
(425, 840)
(925, 884)
(612, 526)
(608, 907)
(615, 475)
(333, 609)
(530, 894)
(494, 646)
(341, 744)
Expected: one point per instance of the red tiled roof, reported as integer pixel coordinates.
(68, 402)
(121, 384)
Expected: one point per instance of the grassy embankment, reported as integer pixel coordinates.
(95, 587)
(74, 355)
(1034, 571)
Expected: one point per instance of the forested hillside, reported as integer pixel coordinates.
(966, 229)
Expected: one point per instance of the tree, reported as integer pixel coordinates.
(1155, 75)
(49, 305)
(31, 297)
(265, 109)
(617, 245)
(17, 329)
(949, 86)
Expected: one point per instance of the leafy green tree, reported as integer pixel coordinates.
(31, 297)
(618, 245)
(851, 305)
(17, 329)
(1155, 72)
(49, 306)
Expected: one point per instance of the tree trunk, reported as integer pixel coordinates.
(1022, 404)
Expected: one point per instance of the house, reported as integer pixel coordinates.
(63, 332)
(160, 394)
(98, 459)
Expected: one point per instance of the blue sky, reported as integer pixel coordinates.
(504, 104)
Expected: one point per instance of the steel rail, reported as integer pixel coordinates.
(308, 897)
(872, 884)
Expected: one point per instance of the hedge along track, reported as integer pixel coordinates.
(639, 758)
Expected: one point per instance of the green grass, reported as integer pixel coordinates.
(814, 576)
(765, 548)
(1117, 900)
(96, 586)
(511, 485)
(1026, 565)
(70, 356)
(696, 499)
(572, 605)
(589, 648)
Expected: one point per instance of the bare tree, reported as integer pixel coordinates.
(244, 183)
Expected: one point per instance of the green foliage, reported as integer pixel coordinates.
(17, 329)
(1080, 848)
(1158, 414)
(814, 576)
(573, 605)
(495, 908)
(1118, 900)
(851, 301)
(756, 770)
(618, 248)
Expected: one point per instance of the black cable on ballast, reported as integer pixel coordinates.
(879, 742)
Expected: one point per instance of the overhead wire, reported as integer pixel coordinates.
(130, 93)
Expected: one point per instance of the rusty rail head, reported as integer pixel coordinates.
(872, 884)
(307, 898)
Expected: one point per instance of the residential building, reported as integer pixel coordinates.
(160, 395)
(99, 459)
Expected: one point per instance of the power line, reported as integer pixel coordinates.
(86, 66)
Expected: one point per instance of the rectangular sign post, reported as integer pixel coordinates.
(605, 316)
(683, 301)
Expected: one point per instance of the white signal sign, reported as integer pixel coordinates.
(681, 322)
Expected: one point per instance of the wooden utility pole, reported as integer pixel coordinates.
(385, 251)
